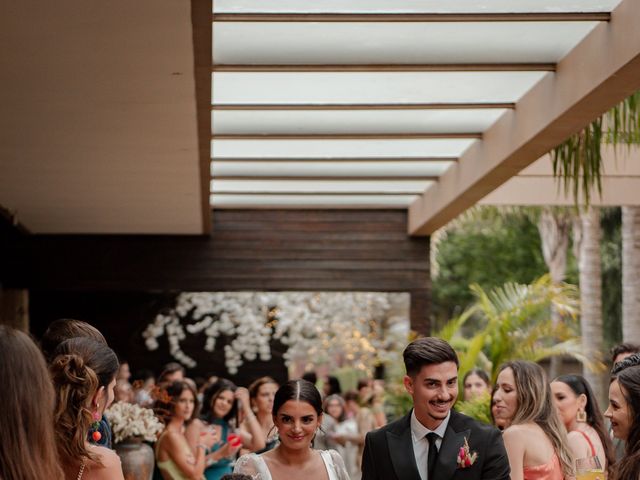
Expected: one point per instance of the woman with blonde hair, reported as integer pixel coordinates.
(536, 440)
(261, 394)
(84, 375)
(27, 442)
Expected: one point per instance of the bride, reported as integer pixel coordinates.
(297, 415)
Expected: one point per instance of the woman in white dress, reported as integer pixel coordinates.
(297, 415)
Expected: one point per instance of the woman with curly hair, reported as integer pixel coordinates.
(84, 375)
(624, 414)
(26, 416)
(536, 440)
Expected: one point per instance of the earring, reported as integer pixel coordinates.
(581, 416)
(96, 436)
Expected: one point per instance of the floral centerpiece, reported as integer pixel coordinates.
(128, 420)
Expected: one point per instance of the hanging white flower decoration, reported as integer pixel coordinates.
(324, 326)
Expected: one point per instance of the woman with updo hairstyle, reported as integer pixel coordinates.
(84, 375)
(175, 406)
(220, 409)
(624, 414)
(297, 415)
(261, 394)
(579, 411)
(535, 439)
(27, 400)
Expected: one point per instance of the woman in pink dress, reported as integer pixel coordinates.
(536, 440)
(579, 411)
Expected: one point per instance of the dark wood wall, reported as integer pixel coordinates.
(269, 250)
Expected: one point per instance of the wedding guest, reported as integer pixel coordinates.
(476, 383)
(143, 382)
(176, 406)
(623, 350)
(83, 372)
(124, 372)
(623, 356)
(123, 391)
(331, 386)
(64, 329)
(624, 415)
(496, 414)
(579, 411)
(26, 415)
(297, 414)
(171, 372)
(345, 434)
(220, 409)
(536, 440)
(261, 394)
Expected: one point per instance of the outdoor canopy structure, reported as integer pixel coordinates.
(108, 126)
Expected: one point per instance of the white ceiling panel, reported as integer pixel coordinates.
(256, 43)
(339, 148)
(336, 168)
(310, 201)
(410, 6)
(320, 186)
(274, 122)
(260, 88)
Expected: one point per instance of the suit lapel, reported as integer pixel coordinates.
(401, 451)
(448, 454)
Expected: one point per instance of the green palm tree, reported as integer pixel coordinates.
(577, 162)
(514, 322)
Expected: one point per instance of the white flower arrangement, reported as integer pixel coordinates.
(129, 420)
(325, 326)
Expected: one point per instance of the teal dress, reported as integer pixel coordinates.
(225, 465)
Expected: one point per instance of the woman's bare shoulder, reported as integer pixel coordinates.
(111, 466)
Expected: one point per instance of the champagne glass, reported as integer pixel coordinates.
(589, 468)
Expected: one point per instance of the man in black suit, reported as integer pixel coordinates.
(433, 442)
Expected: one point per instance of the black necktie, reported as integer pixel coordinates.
(433, 454)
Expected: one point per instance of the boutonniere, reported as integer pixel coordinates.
(466, 457)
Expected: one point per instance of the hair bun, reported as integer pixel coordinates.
(69, 369)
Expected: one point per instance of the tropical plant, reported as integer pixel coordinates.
(577, 162)
(514, 323)
(478, 407)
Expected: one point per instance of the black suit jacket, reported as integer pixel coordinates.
(388, 452)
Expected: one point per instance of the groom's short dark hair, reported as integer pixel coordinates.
(427, 351)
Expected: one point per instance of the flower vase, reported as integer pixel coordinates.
(137, 458)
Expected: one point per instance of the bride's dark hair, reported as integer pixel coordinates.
(299, 390)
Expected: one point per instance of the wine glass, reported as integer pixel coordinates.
(589, 468)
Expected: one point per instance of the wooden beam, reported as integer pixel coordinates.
(365, 106)
(445, 67)
(338, 178)
(338, 194)
(347, 136)
(602, 70)
(335, 160)
(202, 52)
(413, 17)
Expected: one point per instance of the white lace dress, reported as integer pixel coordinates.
(254, 465)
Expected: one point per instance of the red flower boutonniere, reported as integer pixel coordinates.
(466, 457)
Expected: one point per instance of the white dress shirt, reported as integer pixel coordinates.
(421, 444)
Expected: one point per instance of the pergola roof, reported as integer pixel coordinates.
(401, 104)
(425, 105)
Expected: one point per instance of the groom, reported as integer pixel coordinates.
(433, 442)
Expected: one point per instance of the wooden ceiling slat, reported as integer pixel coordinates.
(348, 136)
(343, 178)
(444, 67)
(414, 17)
(365, 106)
(335, 160)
